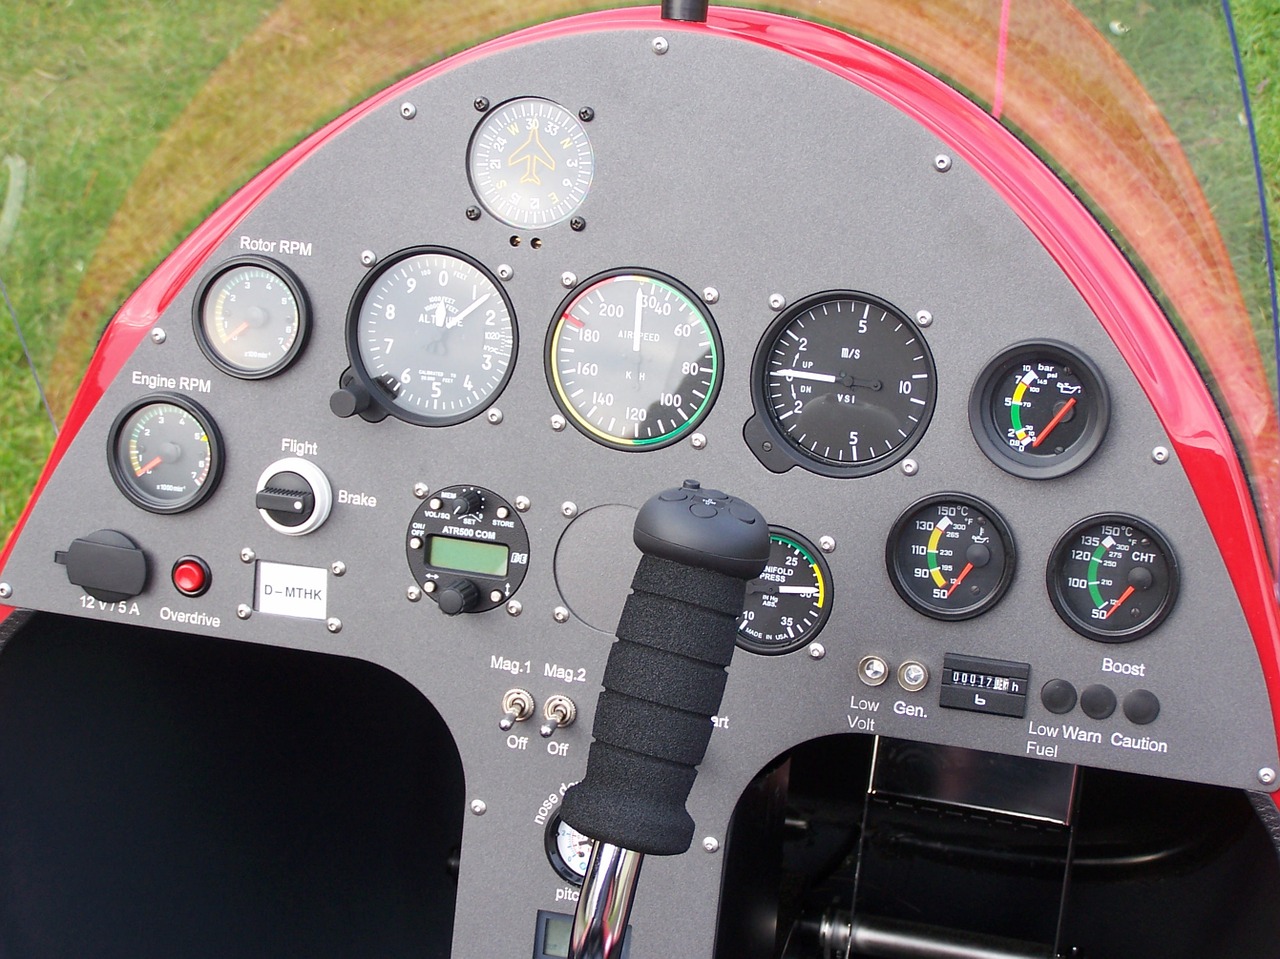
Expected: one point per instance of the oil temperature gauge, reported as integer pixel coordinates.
(788, 604)
(950, 556)
(1113, 578)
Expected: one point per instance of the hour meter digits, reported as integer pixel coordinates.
(467, 549)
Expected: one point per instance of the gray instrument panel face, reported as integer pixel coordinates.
(727, 166)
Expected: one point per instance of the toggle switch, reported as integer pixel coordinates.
(517, 706)
(559, 711)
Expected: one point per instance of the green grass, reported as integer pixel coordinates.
(88, 87)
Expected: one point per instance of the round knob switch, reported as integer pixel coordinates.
(460, 596)
(467, 501)
(294, 496)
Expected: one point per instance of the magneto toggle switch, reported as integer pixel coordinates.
(293, 496)
(559, 711)
(517, 706)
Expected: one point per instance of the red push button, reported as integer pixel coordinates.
(191, 576)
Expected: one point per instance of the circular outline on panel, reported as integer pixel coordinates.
(991, 436)
(119, 472)
(303, 317)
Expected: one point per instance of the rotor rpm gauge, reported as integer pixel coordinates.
(432, 336)
(1039, 410)
(788, 604)
(634, 360)
(1113, 578)
(530, 162)
(165, 453)
(950, 556)
(846, 383)
(251, 317)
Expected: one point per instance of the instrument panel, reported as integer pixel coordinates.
(406, 410)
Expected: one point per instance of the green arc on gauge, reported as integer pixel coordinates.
(808, 558)
(1098, 554)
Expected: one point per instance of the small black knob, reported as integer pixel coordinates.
(351, 399)
(287, 498)
(460, 596)
(467, 502)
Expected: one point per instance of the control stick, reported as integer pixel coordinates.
(663, 682)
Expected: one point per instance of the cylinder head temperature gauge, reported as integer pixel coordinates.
(788, 604)
(251, 317)
(1039, 409)
(165, 453)
(1113, 578)
(950, 556)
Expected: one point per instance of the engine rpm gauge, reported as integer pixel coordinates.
(633, 359)
(1113, 578)
(788, 604)
(165, 453)
(1039, 409)
(530, 162)
(950, 556)
(251, 317)
(432, 336)
(846, 383)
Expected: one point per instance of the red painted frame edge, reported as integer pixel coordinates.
(1055, 216)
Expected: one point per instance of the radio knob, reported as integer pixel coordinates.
(460, 596)
(467, 502)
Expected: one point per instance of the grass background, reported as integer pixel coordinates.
(89, 89)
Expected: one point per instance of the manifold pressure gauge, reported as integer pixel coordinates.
(530, 163)
(789, 602)
(432, 339)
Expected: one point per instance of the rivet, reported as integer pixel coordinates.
(924, 319)
(333, 624)
(711, 295)
(158, 336)
(910, 467)
(479, 807)
(1160, 454)
(827, 544)
(942, 163)
(711, 844)
(413, 594)
(817, 651)
(569, 509)
(494, 416)
(660, 45)
(777, 301)
(698, 441)
(408, 111)
(243, 611)
(420, 490)
(558, 423)
(338, 568)
(368, 257)
(568, 279)
(514, 607)
(560, 614)
(523, 503)
(1266, 776)
(5, 590)
(505, 272)
(247, 555)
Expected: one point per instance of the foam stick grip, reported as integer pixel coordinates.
(666, 673)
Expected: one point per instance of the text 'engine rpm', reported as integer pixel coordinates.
(848, 383)
(634, 360)
(434, 337)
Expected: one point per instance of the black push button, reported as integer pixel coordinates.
(1058, 696)
(107, 565)
(1098, 702)
(1141, 707)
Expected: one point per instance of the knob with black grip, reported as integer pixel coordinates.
(666, 673)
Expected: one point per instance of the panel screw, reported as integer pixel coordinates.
(523, 503)
(494, 416)
(1266, 775)
(711, 844)
(924, 319)
(243, 611)
(333, 624)
(505, 272)
(577, 224)
(514, 607)
(777, 301)
(5, 590)
(698, 441)
(711, 295)
(817, 651)
(338, 568)
(408, 111)
(660, 45)
(569, 509)
(479, 807)
(247, 555)
(586, 114)
(558, 423)
(481, 104)
(560, 614)
(413, 594)
(421, 490)
(1160, 454)
(158, 336)
(473, 213)
(568, 279)
(827, 544)
(910, 467)
(368, 258)
(942, 163)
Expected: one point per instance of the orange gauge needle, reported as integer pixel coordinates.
(150, 466)
(1121, 601)
(960, 579)
(244, 326)
(1041, 437)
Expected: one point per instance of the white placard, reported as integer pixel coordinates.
(285, 590)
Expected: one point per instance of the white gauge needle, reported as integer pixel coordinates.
(635, 334)
(458, 319)
(805, 375)
(799, 590)
(439, 317)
